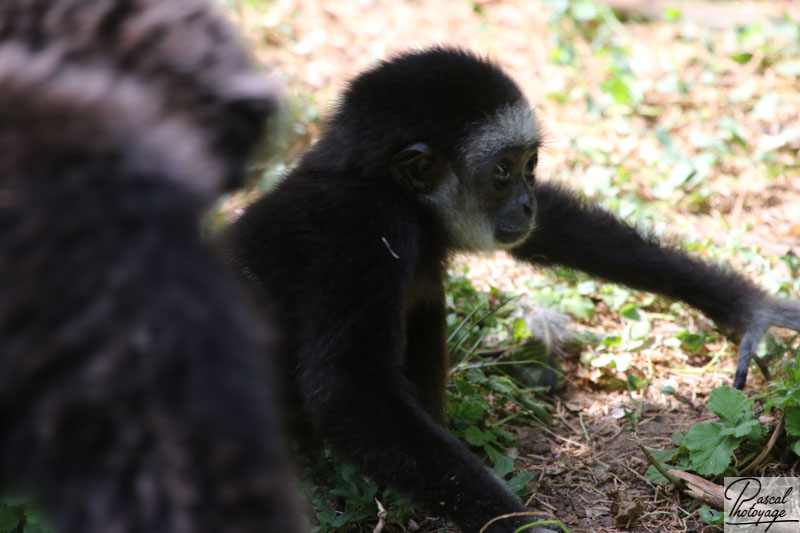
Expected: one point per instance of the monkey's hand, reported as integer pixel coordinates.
(767, 313)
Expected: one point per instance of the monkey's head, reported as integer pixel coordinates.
(455, 131)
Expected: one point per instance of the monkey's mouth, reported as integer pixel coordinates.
(512, 235)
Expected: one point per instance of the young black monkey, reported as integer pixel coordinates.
(426, 154)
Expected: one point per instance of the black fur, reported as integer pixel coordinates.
(134, 394)
(572, 233)
(353, 267)
(417, 92)
(350, 252)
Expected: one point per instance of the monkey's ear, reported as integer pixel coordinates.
(415, 168)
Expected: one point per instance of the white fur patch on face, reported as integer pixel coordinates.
(467, 226)
(511, 125)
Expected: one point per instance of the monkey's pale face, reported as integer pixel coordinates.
(496, 169)
(489, 207)
(483, 195)
(506, 186)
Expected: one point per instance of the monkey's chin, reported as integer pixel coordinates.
(507, 238)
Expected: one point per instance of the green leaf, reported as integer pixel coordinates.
(663, 457)
(672, 14)
(730, 405)
(634, 345)
(504, 466)
(464, 387)
(750, 429)
(475, 376)
(10, 517)
(631, 312)
(796, 447)
(518, 482)
(619, 88)
(612, 340)
(469, 412)
(742, 58)
(493, 452)
(614, 296)
(341, 520)
(710, 450)
(654, 476)
(502, 385)
(577, 306)
(520, 329)
(640, 330)
(502, 434)
(474, 436)
(34, 516)
(692, 341)
(710, 516)
(792, 419)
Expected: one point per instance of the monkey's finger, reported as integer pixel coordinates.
(741, 369)
(747, 348)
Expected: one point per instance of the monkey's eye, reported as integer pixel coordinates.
(530, 168)
(502, 171)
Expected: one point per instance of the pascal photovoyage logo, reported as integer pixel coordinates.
(761, 504)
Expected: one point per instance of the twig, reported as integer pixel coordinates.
(657, 464)
(381, 517)
(768, 448)
(702, 489)
(583, 427)
(637, 474)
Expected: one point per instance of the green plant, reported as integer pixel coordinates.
(19, 515)
(344, 500)
(784, 394)
(708, 448)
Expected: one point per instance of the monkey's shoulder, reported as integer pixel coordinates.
(323, 224)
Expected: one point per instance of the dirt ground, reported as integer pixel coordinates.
(591, 473)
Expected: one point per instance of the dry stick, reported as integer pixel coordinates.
(702, 489)
(768, 448)
(583, 427)
(698, 488)
(381, 517)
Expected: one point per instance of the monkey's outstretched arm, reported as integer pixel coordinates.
(577, 234)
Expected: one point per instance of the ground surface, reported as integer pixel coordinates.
(682, 83)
